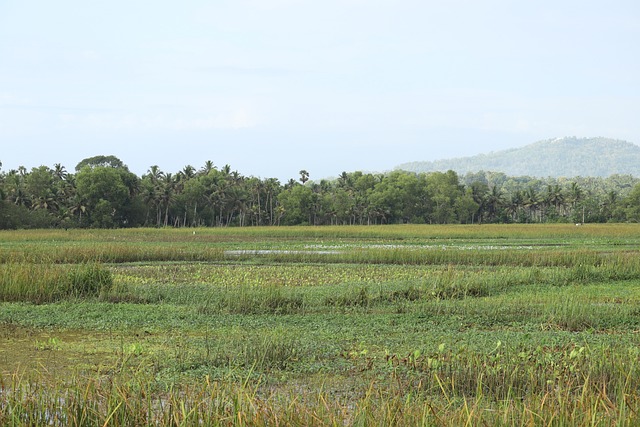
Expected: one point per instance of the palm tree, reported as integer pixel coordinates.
(153, 194)
(291, 183)
(60, 172)
(78, 206)
(272, 186)
(208, 167)
(304, 176)
(516, 202)
(256, 188)
(16, 189)
(555, 198)
(609, 204)
(531, 201)
(575, 194)
(65, 188)
(155, 174)
(344, 180)
(188, 172)
(167, 189)
(494, 202)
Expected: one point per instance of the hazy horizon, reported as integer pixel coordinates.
(271, 87)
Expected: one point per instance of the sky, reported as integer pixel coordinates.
(272, 87)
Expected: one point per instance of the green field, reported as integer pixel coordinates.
(383, 325)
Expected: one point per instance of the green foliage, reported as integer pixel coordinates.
(631, 205)
(296, 205)
(103, 193)
(100, 161)
(14, 216)
(107, 192)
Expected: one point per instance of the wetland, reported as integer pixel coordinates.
(353, 325)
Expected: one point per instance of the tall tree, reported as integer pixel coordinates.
(107, 192)
(101, 161)
(304, 176)
(207, 168)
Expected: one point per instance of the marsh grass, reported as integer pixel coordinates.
(577, 314)
(519, 373)
(253, 300)
(548, 245)
(403, 325)
(108, 252)
(39, 284)
(288, 289)
(121, 402)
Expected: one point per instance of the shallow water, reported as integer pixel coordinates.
(277, 252)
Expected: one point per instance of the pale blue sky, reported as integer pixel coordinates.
(274, 86)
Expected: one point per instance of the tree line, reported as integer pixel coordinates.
(103, 193)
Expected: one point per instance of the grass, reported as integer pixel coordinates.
(430, 325)
(38, 283)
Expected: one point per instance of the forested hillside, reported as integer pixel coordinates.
(560, 157)
(102, 192)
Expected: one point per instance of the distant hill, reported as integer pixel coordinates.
(560, 157)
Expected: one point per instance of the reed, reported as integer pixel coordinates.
(39, 284)
(92, 401)
(251, 300)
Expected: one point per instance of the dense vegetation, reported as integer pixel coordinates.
(400, 325)
(103, 193)
(560, 157)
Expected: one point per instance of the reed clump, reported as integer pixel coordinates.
(44, 283)
(246, 299)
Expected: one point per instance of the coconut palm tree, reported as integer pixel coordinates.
(494, 202)
(515, 204)
(531, 202)
(208, 167)
(188, 172)
(78, 206)
(166, 193)
(60, 172)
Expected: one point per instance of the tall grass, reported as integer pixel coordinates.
(623, 262)
(93, 401)
(108, 253)
(254, 300)
(38, 283)
(504, 374)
